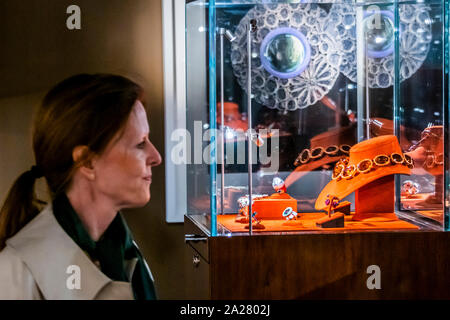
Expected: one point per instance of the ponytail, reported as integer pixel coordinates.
(20, 206)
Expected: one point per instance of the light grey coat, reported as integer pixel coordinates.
(37, 263)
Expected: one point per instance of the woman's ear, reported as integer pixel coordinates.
(83, 159)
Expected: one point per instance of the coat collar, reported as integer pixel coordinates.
(48, 252)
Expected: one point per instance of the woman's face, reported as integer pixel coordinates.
(123, 172)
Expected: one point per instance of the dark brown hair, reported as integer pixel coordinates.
(84, 109)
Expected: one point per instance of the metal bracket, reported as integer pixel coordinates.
(194, 238)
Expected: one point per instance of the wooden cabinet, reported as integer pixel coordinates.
(405, 265)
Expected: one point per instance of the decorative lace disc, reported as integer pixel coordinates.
(294, 62)
(415, 38)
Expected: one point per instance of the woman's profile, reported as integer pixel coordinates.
(91, 144)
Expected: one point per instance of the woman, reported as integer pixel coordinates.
(91, 145)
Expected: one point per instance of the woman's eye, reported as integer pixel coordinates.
(141, 145)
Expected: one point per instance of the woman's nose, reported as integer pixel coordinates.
(154, 158)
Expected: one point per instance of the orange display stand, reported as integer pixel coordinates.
(375, 201)
(307, 222)
(374, 210)
(272, 207)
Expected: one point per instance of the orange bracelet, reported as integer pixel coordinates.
(342, 170)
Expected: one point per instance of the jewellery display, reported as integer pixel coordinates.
(269, 207)
(307, 155)
(430, 132)
(415, 36)
(256, 223)
(428, 151)
(257, 139)
(279, 211)
(325, 149)
(342, 169)
(248, 63)
(410, 188)
(243, 202)
(332, 202)
(278, 185)
(433, 160)
(335, 220)
(290, 214)
(429, 137)
(294, 61)
(370, 170)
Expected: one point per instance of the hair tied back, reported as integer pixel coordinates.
(36, 172)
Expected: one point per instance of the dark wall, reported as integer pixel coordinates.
(117, 36)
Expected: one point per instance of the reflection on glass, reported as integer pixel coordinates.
(379, 31)
(285, 53)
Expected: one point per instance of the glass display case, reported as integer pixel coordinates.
(316, 116)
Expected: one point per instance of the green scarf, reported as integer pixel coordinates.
(114, 247)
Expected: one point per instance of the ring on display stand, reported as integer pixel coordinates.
(332, 201)
(290, 214)
(278, 185)
(257, 224)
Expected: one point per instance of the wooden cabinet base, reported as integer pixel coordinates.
(369, 265)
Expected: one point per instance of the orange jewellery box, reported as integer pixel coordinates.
(269, 207)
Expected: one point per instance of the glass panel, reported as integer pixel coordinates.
(313, 79)
(197, 116)
(421, 95)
